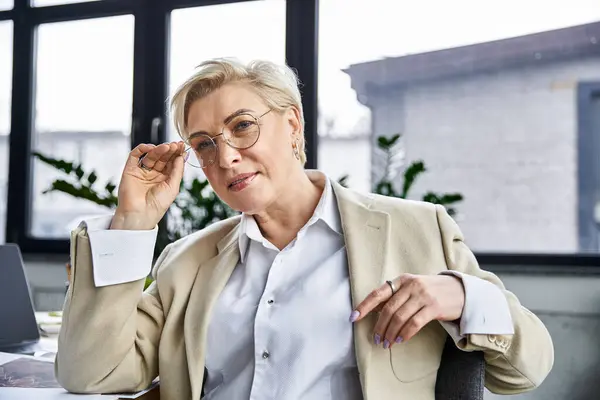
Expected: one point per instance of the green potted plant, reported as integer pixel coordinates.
(390, 149)
(196, 206)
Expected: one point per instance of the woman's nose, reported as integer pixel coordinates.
(227, 156)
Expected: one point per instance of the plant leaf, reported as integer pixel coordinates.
(79, 172)
(386, 189)
(410, 175)
(110, 187)
(344, 180)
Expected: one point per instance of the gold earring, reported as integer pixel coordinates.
(295, 149)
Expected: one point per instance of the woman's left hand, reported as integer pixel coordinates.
(419, 299)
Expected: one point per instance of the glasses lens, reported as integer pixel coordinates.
(242, 132)
(202, 151)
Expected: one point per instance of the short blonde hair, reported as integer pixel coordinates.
(277, 85)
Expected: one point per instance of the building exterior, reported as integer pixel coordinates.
(501, 122)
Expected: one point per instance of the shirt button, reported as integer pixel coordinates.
(270, 301)
(265, 354)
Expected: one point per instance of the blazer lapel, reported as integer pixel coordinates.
(366, 232)
(210, 281)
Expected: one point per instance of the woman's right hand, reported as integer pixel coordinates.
(145, 194)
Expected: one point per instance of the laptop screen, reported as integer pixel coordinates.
(17, 318)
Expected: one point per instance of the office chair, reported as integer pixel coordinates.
(461, 374)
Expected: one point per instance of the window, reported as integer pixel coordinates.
(44, 3)
(5, 92)
(248, 30)
(484, 94)
(6, 5)
(83, 103)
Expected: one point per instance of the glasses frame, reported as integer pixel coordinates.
(213, 139)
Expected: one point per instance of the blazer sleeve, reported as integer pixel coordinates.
(109, 337)
(514, 363)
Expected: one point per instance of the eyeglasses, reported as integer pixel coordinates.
(241, 131)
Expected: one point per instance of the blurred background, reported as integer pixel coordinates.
(498, 100)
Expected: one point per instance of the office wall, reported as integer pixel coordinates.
(568, 305)
(570, 308)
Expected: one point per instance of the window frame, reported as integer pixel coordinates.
(151, 40)
(151, 66)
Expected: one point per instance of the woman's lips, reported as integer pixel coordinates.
(242, 182)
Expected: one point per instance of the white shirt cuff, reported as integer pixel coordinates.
(119, 256)
(485, 312)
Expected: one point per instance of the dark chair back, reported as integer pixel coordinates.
(461, 375)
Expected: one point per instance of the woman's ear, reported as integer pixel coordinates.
(293, 118)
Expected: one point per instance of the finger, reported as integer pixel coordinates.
(180, 150)
(424, 316)
(166, 158)
(402, 315)
(137, 152)
(377, 298)
(152, 157)
(371, 302)
(170, 164)
(176, 172)
(387, 313)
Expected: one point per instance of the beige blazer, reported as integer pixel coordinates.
(117, 338)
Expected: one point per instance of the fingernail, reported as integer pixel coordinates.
(187, 155)
(354, 316)
(377, 339)
(386, 344)
(399, 339)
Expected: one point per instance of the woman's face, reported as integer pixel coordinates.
(251, 179)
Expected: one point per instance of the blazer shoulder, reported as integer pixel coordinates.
(420, 216)
(419, 212)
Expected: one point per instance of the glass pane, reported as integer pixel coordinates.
(6, 5)
(83, 112)
(485, 94)
(265, 40)
(6, 42)
(44, 3)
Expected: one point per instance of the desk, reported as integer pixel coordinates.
(49, 346)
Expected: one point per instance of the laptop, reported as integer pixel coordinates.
(18, 327)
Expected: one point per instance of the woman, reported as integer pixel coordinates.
(314, 292)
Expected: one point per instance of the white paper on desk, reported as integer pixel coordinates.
(46, 394)
(12, 393)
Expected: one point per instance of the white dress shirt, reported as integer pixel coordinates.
(280, 327)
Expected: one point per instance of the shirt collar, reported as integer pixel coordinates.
(326, 211)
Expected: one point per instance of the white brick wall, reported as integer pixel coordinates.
(506, 140)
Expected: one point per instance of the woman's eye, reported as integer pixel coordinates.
(243, 125)
(203, 145)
